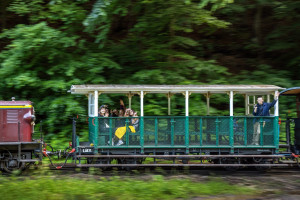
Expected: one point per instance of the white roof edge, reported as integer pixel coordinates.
(243, 89)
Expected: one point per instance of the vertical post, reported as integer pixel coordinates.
(74, 133)
(169, 103)
(268, 98)
(276, 133)
(261, 125)
(276, 106)
(172, 131)
(142, 121)
(156, 131)
(129, 100)
(201, 131)
(187, 121)
(207, 102)
(110, 131)
(231, 103)
(254, 102)
(231, 134)
(129, 95)
(142, 103)
(245, 131)
(248, 107)
(186, 103)
(95, 103)
(246, 104)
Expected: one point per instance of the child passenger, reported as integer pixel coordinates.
(120, 132)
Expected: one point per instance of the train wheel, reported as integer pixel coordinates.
(230, 161)
(13, 165)
(263, 168)
(104, 161)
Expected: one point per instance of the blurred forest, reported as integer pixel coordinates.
(48, 45)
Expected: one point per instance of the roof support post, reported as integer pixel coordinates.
(169, 95)
(96, 103)
(207, 95)
(129, 95)
(231, 103)
(186, 94)
(276, 106)
(246, 104)
(142, 103)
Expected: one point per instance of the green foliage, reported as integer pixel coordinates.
(114, 188)
(47, 46)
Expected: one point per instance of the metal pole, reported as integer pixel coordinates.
(169, 103)
(142, 103)
(74, 133)
(276, 106)
(207, 102)
(96, 103)
(187, 103)
(231, 103)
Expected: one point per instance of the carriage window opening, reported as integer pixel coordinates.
(91, 105)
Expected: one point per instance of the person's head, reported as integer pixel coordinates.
(260, 100)
(121, 113)
(102, 110)
(127, 112)
(131, 112)
(115, 112)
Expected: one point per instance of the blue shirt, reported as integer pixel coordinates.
(263, 110)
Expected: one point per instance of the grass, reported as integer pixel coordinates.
(154, 187)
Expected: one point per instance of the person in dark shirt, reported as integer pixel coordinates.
(261, 109)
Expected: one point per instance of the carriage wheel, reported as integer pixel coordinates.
(13, 165)
(230, 161)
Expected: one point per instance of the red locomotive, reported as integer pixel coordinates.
(17, 149)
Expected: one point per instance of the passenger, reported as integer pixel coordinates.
(115, 113)
(135, 121)
(121, 113)
(102, 111)
(103, 123)
(261, 109)
(120, 132)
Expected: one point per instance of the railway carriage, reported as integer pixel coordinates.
(225, 141)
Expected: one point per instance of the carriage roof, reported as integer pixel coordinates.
(134, 89)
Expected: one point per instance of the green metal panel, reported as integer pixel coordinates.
(231, 132)
(217, 131)
(156, 131)
(261, 132)
(200, 131)
(245, 131)
(127, 131)
(93, 131)
(172, 131)
(167, 131)
(187, 132)
(110, 131)
(276, 133)
(142, 132)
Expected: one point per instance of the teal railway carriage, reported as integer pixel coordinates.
(210, 140)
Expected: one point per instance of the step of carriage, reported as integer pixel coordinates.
(180, 156)
(185, 165)
(29, 160)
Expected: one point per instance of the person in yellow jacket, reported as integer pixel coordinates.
(120, 132)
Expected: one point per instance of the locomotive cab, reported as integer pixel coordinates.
(17, 148)
(17, 121)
